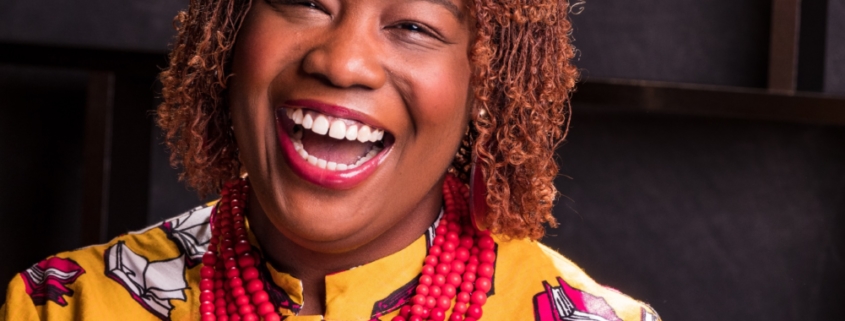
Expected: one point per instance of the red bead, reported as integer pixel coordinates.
(456, 317)
(249, 316)
(443, 269)
(466, 242)
(447, 257)
(449, 246)
(444, 302)
(448, 291)
(209, 317)
(460, 308)
(250, 273)
(238, 291)
(479, 298)
(398, 318)
(242, 300)
(435, 291)
(207, 296)
(418, 299)
(209, 258)
(430, 260)
(206, 308)
(458, 267)
(453, 237)
(430, 302)
(265, 308)
(422, 289)
(486, 242)
(416, 317)
(469, 277)
(485, 270)
(246, 260)
(483, 284)
(454, 279)
(416, 310)
(245, 309)
(405, 310)
(235, 282)
(474, 311)
(207, 272)
(472, 268)
(428, 270)
(254, 285)
(271, 317)
(206, 285)
(439, 240)
(466, 286)
(487, 256)
(233, 272)
(437, 315)
(435, 250)
(426, 278)
(243, 246)
(439, 279)
(464, 297)
(441, 229)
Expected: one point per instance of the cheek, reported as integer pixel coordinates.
(442, 97)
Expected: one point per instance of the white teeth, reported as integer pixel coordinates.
(352, 132)
(307, 121)
(338, 130)
(312, 160)
(364, 134)
(377, 135)
(321, 163)
(342, 167)
(297, 117)
(321, 125)
(331, 166)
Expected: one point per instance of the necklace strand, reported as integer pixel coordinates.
(459, 265)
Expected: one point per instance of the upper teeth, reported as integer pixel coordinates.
(337, 128)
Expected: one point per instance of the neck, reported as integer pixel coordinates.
(311, 266)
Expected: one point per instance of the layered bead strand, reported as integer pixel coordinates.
(459, 265)
(231, 287)
(461, 258)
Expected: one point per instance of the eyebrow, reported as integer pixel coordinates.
(449, 6)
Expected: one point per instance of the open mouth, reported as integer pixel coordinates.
(335, 144)
(327, 149)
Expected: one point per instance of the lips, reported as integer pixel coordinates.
(330, 146)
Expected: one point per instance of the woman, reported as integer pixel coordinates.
(355, 127)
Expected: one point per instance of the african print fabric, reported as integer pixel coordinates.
(153, 274)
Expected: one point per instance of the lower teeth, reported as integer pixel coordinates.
(322, 163)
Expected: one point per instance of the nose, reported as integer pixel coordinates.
(347, 57)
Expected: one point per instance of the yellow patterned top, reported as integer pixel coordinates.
(153, 274)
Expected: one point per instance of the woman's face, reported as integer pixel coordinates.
(347, 113)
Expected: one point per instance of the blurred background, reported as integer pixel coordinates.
(704, 172)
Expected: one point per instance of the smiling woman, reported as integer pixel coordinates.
(343, 136)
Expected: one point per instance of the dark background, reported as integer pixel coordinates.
(701, 215)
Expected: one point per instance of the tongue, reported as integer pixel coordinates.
(334, 150)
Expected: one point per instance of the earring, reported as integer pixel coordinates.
(478, 196)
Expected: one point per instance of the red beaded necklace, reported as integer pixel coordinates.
(459, 264)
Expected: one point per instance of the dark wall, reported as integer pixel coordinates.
(41, 134)
(835, 58)
(692, 41)
(707, 219)
(129, 24)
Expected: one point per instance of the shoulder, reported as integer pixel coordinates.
(555, 288)
(144, 274)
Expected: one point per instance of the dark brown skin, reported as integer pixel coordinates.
(402, 62)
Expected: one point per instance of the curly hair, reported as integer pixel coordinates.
(521, 81)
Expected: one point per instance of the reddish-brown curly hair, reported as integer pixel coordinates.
(522, 79)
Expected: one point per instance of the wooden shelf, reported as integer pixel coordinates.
(634, 96)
